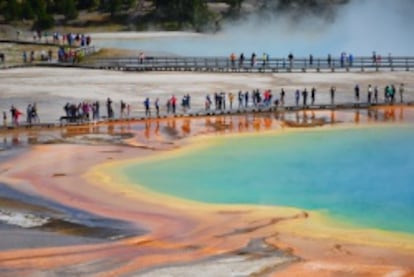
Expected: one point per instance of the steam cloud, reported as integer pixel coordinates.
(359, 27)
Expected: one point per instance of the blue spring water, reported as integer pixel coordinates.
(364, 176)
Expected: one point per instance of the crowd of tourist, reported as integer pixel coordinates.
(219, 101)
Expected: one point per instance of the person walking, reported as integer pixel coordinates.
(305, 97)
(297, 97)
(401, 91)
(231, 98)
(313, 95)
(369, 93)
(147, 107)
(157, 106)
(356, 89)
(333, 89)
(282, 97)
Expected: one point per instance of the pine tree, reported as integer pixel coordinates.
(69, 10)
(11, 11)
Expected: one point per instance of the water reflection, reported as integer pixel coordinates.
(176, 128)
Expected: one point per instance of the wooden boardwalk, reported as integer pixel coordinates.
(273, 65)
(206, 113)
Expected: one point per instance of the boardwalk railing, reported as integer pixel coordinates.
(223, 64)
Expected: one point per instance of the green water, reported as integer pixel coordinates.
(363, 176)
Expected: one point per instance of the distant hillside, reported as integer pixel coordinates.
(199, 15)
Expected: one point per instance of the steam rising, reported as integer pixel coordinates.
(359, 27)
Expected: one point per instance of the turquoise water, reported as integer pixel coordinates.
(363, 176)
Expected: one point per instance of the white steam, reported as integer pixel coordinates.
(359, 27)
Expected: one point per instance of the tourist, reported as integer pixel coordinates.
(123, 107)
(240, 97)
(356, 89)
(4, 119)
(350, 60)
(310, 60)
(313, 95)
(147, 107)
(393, 91)
(246, 98)
(369, 93)
(223, 100)
(342, 59)
(15, 114)
(241, 60)
(168, 105)
(297, 97)
(29, 114)
(208, 103)
(265, 59)
(233, 60)
(253, 60)
(157, 106)
(173, 103)
(386, 94)
(231, 97)
(401, 91)
(376, 95)
(95, 110)
(24, 57)
(333, 89)
(282, 97)
(329, 60)
(188, 101)
(109, 108)
(290, 58)
(305, 96)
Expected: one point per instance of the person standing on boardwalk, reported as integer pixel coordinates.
(4, 119)
(290, 57)
(356, 89)
(369, 93)
(313, 95)
(241, 60)
(305, 96)
(282, 97)
(123, 106)
(253, 59)
(376, 94)
(297, 97)
(401, 91)
(109, 108)
(233, 60)
(173, 103)
(333, 89)
(157, 106)
(329, 60)
(231, 98)
(240, 96)
(147, 107)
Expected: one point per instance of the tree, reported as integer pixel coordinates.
(69, 10)
(27, 10)
(194, 12)
(12, 10)
(87, 4)
(44, 20)
(114, 7)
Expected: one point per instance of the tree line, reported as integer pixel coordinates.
(181, 13)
